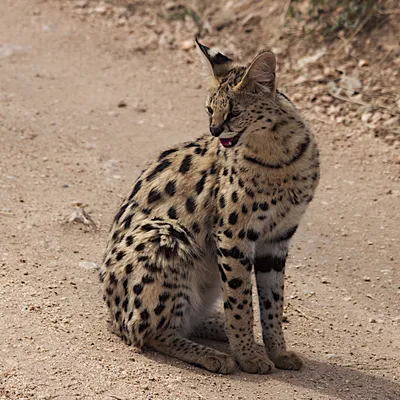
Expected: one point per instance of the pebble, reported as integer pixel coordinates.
(81, 3)
(101, 9)
(88, 265)
(187, 44)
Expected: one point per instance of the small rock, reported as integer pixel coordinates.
(88, 265)
(186, 45)
(372, 320)
(367, 279)
(351, 84)
(122, 104)
(366, 117)
(347, 298)
(81, 3)
(101, 9)
(297, 96)
(326, 99)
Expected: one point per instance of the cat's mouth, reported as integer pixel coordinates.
(230, 142)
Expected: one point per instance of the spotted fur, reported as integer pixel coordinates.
(205, 214)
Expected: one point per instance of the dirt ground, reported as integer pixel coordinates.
(65, 137)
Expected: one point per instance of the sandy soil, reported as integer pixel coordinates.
(63, 139)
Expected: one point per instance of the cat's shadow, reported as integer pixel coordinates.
(344, 383)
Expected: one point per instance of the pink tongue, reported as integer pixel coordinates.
(226, 142)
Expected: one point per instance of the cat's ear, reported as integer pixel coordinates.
(215, 63)
(260, 75)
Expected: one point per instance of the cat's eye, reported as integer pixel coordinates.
(232, 115)
(210, 110)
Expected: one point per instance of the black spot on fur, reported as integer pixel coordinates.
(172, 213)
(129, 240)
(196, 227)
(136, 189)
(233, 217)
(269, 262)
(190, 205)
(286, 236)
(252, 235)
(154, 195)
(137, 289)
(170, 188)
(235, 283)
(226, 267)
(161, 323)
(148, 228)
(267, 304)
(235, 197)
(144, 314)
(249, 192)
(159, 168)
(222, 272)
(186, 164)
(200, 184)
(147, 279)
(213, 169)
(276, 296)
(228, 233)
(166, 153)
(120, 212)
(143, 326)
(127, 221)
(159, 309)
(164, 297)
(140, 247)
(137, 303)
(128, 268)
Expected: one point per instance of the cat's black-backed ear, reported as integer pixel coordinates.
(260, 75)
(215, 62)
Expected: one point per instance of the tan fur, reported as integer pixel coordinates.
(203, 216)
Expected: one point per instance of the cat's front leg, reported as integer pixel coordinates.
(269, 268)
(235, 265)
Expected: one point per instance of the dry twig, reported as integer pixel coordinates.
(362, 103)
(81, 216)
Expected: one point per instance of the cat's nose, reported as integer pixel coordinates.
(216, 130)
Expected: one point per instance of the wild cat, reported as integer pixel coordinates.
(207, 213)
